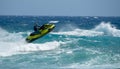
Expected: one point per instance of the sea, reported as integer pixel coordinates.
(77, 42)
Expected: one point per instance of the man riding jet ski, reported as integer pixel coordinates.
(40, 31)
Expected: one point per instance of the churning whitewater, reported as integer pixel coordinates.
(76, 42)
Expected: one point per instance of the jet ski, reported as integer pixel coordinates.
(41, 32)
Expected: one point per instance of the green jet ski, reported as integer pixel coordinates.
(41, 32)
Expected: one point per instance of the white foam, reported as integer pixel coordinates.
(14, 43)
(53, 21)
(80, 32)
(101, 29)
(12, 48)
(38, 47)
(107, 29)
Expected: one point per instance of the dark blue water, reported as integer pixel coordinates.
(76, 42)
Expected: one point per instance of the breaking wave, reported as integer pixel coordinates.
(14, 43)
(100, 30)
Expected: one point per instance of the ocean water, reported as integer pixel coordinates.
(76, 42)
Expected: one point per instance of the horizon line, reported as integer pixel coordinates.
(61, 15)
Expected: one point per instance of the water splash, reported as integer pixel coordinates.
(14, 43)
(107, 29)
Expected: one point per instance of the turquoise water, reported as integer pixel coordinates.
(76, 42)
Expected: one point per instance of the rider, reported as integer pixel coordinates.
(36, 27)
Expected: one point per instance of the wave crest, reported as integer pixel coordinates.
(100, 30)
(107, 29)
